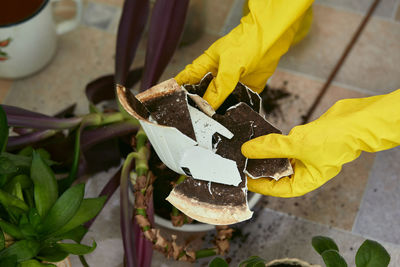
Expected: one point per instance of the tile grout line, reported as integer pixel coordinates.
(321, 80)
(346, 52)
(284, 214)
(356, 12)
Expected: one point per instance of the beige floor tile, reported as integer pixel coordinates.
(318, 52)
(397, 15)
(5, 86)
(373, 63)
(303, 92)
(186, 54)
(82, 55)
(337, 202)
(384, 9)
(215, 14)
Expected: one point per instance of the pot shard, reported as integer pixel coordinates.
(192, 139)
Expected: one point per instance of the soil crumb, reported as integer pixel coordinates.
(272, 98)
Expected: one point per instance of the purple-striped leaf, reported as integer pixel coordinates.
(166, 27)
(15, 142)
(103, 88)
(12, 110)
(95, 136)
(19, 117)
(131, 26)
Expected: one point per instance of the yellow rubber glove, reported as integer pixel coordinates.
(320, 148)
(251, 51)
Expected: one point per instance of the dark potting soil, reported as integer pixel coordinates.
(162, 186)
(271, 99)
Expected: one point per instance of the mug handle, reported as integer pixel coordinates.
(69, 25)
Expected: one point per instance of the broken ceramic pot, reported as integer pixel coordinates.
(193, 139)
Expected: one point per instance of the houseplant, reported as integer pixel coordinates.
(36, 212)
(369, 254)
(80, 144)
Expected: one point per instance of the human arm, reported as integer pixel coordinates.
(251, 51)
(320, 148)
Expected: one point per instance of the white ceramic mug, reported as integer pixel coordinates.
(28, 45)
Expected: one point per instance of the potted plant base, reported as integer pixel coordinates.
(289, 263)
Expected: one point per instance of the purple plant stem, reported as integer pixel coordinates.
(131, 25)
(22, 131)
(126, 224)
(92, 137)
(166, 27)
(146, 247)
(15, 142)
(41, 122)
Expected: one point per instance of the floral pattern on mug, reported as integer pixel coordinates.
(4, 43)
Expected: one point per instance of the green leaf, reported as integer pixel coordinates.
(77, 249)
(23, 250)
(34, 217)
(26, 151)
(63, 210)
(28, 230)
(45, 185)
(34, 263)
(89, 208)
(332, 258)
(17, 191)
(28, 193)
(75, 234)
(9, 261)
(2, 240)
(323, 243)
(7, 166)
(218, 262)
(253, 261)
(52, 254)
(23, 161)
(8, 200)
(372, 254)
(22, 179)
(11, 229)
(3, 130)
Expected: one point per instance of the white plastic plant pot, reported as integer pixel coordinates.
(192, 139)
(198, 227)
(290, 262)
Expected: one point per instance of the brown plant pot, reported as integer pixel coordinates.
(289, 263)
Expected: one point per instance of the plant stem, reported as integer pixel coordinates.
(126, 226)
(204, 253)
(108, 118)
(142, 166)
(83, 261)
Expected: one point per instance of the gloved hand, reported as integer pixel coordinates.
(251, 51)
(320, 148)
